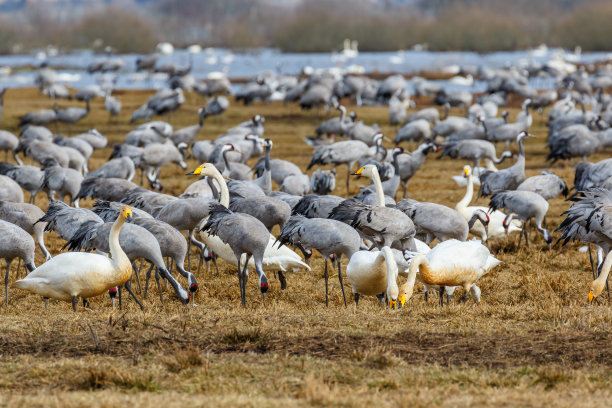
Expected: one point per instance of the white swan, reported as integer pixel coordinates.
(496, 218)
(423, 249)
(275, 259)
(372, 273)
(450, 263)
(78, 274)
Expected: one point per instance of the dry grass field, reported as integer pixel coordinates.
(534, 340)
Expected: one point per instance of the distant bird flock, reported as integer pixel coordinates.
(229, 211)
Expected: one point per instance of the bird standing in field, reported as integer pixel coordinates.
(71, 275)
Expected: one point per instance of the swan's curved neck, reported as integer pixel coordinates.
(392, 289)
(224, 198)
(118, 257)
(469, 194)
(605, 271)
(380, 194)
(415, 265)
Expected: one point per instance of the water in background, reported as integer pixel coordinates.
(71, 67)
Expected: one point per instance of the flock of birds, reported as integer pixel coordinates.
(230, 210)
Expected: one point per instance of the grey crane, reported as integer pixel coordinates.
(429, 114)
(71, 115)
(593, 175)
(122, 167)
(573, 141)
(142, 113)
(316, 95)
(492, 182)
(235, 170)
(65, 182)
(113, 105)
(96, 139)
(296, 184)
(81, 145)
(110, 189)
(40, 151)
(26, 216)
(42, 117)
(335, 126)
(145, 199)
(323, 181)
(474, 151)
(245, 235)
(398, 103)
(146, 62)
(216, 106)
(57, 91)
(379, 224)
(368, 134)
(316, 206)
(15, 243)
(89, 92)
(588, 220)
(188, 134)
(410, 163)
(8, 142)
(346, 152)
(524, 205)
(330, 237)
(547, 184)
(436, 221)
(414, 131)
(507, 132)
(135, 241)
(184, 214)
(157, 155)
(270, 211)
(30, 178)
(31, 132)
(10, 190)
(166, 100)
(66, 220)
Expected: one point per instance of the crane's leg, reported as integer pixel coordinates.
(159, 288)
(128, 286)
(18, 267)
(526, 236)
(348, 175)
(283, 281)
(189, 250)
(341, 283)
(405, 187)
(135, 274)
(426, 294)
(326, 287)
(465, 295)
(147, 282)
(75, 301)
(520, 237)
(356, 300)
(242, 298)
(119, 291)
(592, 262)
(441, 295)
(46, 299)
(6, 277)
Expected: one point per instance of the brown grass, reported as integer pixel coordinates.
(534, 341)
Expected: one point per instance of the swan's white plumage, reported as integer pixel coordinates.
(373, 272)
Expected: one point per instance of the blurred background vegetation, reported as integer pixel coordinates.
(307, 25)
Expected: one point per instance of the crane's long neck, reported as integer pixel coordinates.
(118, 257)
(380, 194)
(469, 194)
(225, 161)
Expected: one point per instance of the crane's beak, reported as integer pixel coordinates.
(591, 297)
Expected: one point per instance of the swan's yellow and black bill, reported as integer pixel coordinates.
(358, 172)
(397, 304)
(127, 212)
(401, 300)
(196, 171)
(466, 172)
(591, 296)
